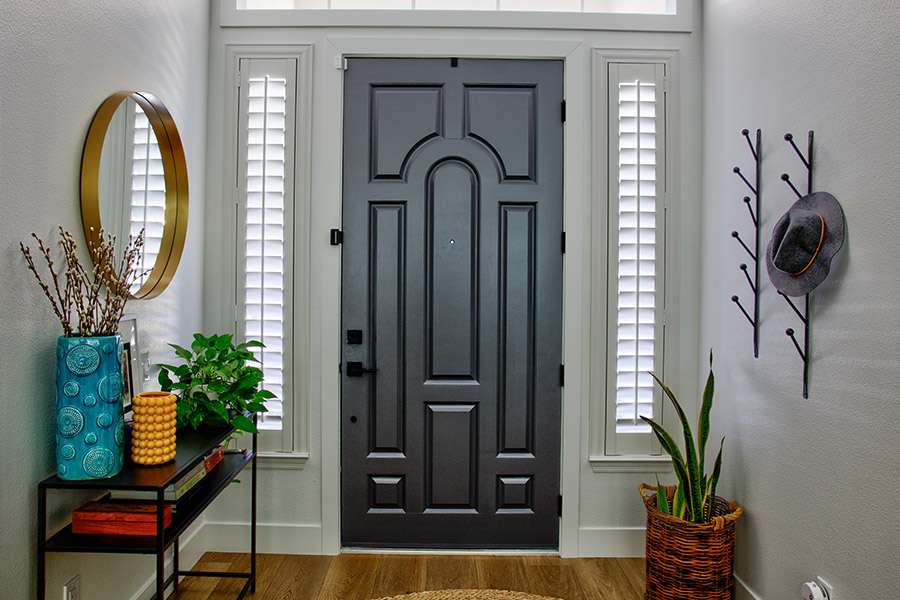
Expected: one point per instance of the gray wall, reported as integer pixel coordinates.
(817, 477)
(60, 59)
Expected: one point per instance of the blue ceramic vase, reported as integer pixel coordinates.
(90, 427)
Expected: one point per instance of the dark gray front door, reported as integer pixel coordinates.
(451, 303)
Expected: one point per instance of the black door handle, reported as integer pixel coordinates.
(356, 369)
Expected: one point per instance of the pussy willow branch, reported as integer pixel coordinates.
(97, 296)
(63, 317)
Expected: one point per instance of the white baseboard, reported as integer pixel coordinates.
(190, 549)
(270, 538)
(610, 542)
(742, 591)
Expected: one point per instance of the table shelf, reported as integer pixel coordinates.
(192, 447)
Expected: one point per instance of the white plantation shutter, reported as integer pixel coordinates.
(265, 198)
(148, 194)
(637, 219)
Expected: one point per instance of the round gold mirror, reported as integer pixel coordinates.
(134, 177)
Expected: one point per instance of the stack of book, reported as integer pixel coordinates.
(178, 489)
(107, 517)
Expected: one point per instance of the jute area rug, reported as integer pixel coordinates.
(469, 595)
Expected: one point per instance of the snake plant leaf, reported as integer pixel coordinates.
(690, 451)
(668, 444)
(661, 503)
(672, 450)
(714, 480)
(705, 408)
(678, 503)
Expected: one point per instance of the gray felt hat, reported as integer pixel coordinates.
(803, 243)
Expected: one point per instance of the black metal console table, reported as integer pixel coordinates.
(192, 447)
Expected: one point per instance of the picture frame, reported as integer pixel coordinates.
(131, 364)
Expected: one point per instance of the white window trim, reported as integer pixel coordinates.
(681, 21)
(598, 458)
(295, 454)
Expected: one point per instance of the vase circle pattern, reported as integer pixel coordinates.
(89, 434)
(110, 388)
(83, 360)
(69, 421)
(120, 432)
(99, 462)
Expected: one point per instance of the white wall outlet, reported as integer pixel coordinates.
(829, 590)
(72, 590)
(811, 591)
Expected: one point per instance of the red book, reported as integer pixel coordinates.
(118, 518)
(215, 458)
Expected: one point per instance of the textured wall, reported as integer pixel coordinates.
(818, 477)
(60, 59)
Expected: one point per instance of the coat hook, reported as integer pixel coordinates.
(790, 333)
(737, 236)
(790, 138)
(747, 275)
(804, 315)
(750, 208)
(787, 179)
(746, 134)
(755, 216)
(794, 306)
(737, 301)
(741, 175)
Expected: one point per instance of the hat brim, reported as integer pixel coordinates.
(799, 285)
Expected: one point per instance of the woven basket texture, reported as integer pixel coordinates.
(469, 595)
(690, 561)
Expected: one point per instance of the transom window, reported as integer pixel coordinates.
(650, 7)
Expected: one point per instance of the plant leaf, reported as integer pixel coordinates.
(164, 381)
(223, 342)
(678, 503)
(705, 408)
(661, 503)
(714, 480)
(671, 448)
(690, 451)
(242, 423)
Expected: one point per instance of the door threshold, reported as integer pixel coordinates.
(488, 551)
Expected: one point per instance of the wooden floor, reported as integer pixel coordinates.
(368, 576)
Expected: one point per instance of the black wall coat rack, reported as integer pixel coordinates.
(804, 315)
(753, 206)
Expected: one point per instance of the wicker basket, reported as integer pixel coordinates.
(689, 561)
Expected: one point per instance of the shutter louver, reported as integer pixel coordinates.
(264, 285)
(148, 195)
(637, 183)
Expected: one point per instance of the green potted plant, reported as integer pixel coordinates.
(215, 385)
(690, 531)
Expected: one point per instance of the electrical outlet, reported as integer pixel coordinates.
(826, 586)
(72, 590)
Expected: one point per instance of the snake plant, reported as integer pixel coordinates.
(695, 492)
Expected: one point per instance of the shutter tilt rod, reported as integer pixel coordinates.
(756, 151)
(804, 316)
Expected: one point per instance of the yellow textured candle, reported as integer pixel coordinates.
(153, 432)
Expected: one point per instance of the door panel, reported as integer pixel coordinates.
(451, 264)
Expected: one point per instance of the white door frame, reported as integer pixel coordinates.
(576, 207)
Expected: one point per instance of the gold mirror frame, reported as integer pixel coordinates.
(175, 174)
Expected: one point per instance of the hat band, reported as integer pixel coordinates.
(816, 253)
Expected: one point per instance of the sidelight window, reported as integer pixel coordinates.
(634, 190)
(264, 207)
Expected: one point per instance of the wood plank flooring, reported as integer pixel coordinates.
(366, 576)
